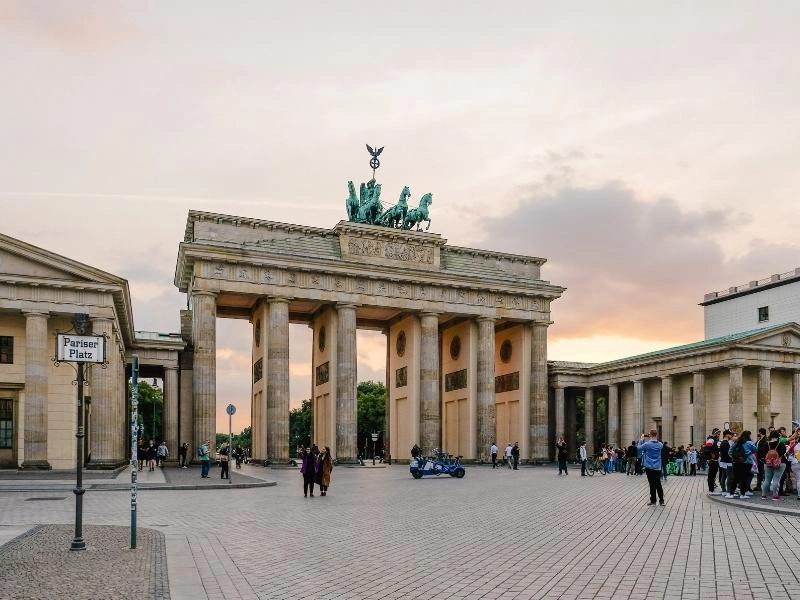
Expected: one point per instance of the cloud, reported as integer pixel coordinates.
(633, 268)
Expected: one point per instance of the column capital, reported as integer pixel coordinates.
(101, 319)
(544, 324)
(484, 319)
(204, 293)
(36, 313)
(278, 300)
(340, 305)
(666, 378)
(171, 367)
(429, 313)
(765, 369)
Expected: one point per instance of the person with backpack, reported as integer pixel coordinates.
(224, 461)
(711, 452)
(162, 453)
(205, 459)
(742, 458)
(773, 467)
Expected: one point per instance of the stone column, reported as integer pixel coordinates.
(638, 409)
(612, 415)
(487, 416)
(796, 396)
(204, 373)
(588, 401)
(429, 405)
(570, 425)
(667, 411)
(277, 381)
(560, 404)
(104, 421)
(346, 360)
(699, 406)
(763, 399)
(171, 412)
(539, 394)
(735, 400)
(37, 355)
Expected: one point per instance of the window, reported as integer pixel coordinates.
(6, 350)
(691, 395)
(6, 423)
(691, 435)
(763, 314)
(661, 398)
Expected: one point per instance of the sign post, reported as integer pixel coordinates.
(231, 410)
(134, 435)
(374, 439)
(80, 348)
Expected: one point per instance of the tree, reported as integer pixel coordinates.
(300, 426)
(371, 403)
(151, 411)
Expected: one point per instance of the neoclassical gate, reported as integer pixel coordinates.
(467, 332)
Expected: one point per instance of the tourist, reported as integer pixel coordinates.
(561, 450)
(666, 453)
(631, 453)
(711, 452)
(742, 452)
(141, 454)
(610, 458)
(680, 456)
(205, 459)
(325, 468)
(620, 462)
(793, 456)
(583, 457)
(162, 452)
(725, 464)
(652, 451)
(309, 471)
(238, 454)
(509, 453)
(224, 461)
(515, 455)
(152, 456)
(183, 451)
(762, 447)
(692, 458)
(784, 439)
(773, 466)
(493, 452)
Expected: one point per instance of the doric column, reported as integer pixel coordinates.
(171, 412)
(735, 400)
(487, 422)
(796, 396)
(699, 406)
(539, 393)
(104, 421)
(277, 381)
(588, 411)
(763, 399)
(36, 368)
(560, 404)
(346, 359)
(612, 415)
(204, 373)
(638, 408)
(429, 411)
(667, 411)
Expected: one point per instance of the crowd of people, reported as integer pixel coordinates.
(316, 468)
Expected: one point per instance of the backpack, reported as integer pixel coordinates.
(738, 454)
(772, 459)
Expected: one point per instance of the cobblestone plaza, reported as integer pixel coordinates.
(494, 534)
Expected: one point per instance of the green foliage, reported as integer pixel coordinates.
(244, 439)
(371, 402)
(151, 411)
(300, 420)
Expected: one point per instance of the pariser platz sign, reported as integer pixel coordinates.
(80, 348)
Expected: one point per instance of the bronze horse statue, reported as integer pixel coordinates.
(417, 215)
(396, 214)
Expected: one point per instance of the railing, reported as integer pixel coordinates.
(753, 284)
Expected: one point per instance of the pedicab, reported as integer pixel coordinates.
(438, 464)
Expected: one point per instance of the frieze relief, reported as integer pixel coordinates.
(390, 250)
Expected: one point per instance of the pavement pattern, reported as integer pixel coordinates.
(494, 534)
(39, 565)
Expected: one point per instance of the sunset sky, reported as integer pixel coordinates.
(648, 150)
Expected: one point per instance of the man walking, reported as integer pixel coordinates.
(493, 452)
(515, 455)
(651, 453)
(509, 453)
(205, 459)
(162, 453)
(583, 457)
(183, 451)
(631, 452)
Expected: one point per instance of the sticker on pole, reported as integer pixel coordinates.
(230, 409)
(80, 348)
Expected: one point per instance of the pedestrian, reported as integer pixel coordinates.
(583, 456)
(725, 464)
(509, 454)
(652, 453)
(631, 453)
(182, 452)
(610, 458)
(680, 456)
(141, 454)
(162, 453)
(238, 454)
(785, 441)
(515, 455)
(493, 452)
(309, 472)
(762, 447)
(692, 461)
(773, 466)
(561, 450)
(224, 461)
(152, 456)
(711, 452)
(666, 453)
(793, 455)
(205, 459)
(743, 459)
(325, 469)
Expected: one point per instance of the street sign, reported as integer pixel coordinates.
(374, 437)
(230, 409)
(80, 348)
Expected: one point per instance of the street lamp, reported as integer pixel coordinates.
(153, 430)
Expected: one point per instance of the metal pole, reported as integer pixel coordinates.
(77, 542)
(134, 431)
(230, 445)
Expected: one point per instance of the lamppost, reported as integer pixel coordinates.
(153, 430)
(374, 439)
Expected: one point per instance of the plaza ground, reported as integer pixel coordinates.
(494, 534)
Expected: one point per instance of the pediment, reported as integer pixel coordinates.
(21, 259)
(782, 337)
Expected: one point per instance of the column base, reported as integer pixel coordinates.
(106, 464)
(41, 465)
(349, 461)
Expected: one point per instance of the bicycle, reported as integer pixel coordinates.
(595, 464)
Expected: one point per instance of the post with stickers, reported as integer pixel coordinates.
(134, 431)
(231, 410)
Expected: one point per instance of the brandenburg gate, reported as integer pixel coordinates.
(466, 331)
